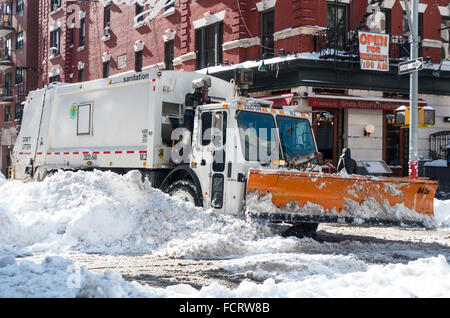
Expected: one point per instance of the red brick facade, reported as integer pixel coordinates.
(295, 22)
(18, 67)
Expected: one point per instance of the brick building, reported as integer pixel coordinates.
(303, 52)
(18, 66)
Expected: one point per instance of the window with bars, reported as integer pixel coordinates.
(208, 41)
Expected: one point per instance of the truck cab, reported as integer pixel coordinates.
(232, 137)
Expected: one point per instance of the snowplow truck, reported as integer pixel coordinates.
(203, 140)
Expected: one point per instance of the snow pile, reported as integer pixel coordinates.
(442, 212)
(108, 213)
(436, 163)
(337, 276)
(58, 277)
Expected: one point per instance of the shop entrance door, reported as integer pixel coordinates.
(395, 145)
(328, 129)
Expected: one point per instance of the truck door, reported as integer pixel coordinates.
(212, 161)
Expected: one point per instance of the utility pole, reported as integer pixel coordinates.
(412, 13)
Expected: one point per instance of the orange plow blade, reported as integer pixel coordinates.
(293, 196)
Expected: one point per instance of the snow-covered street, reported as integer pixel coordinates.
(99, 234)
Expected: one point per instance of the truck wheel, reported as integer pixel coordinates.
(301, 230)
(184, 190)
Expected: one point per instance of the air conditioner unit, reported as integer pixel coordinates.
(53, 51)
(107, 32)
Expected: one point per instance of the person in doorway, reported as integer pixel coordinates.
(346, 161)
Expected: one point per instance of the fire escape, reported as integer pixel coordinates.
(67, 32)
(6, 59)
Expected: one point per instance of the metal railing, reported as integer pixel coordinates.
(6, 92)
(5, 15)
(5, 55)
(345, 46)
(438, 145)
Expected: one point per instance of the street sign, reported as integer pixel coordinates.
(410, 66)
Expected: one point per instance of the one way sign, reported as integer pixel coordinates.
(410, 66)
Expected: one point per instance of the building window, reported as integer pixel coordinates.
(19, 76)
(19, 6)
(7, 18)
(385, 21)
(169, 4)
(139, 10)
(55, 41)
(55, 4)
(54, 79)
(19, 40)
(82, 34)
(138, 61)
(8, 49)
(208, 41)
(169, 54)
(267, 30)
(337, 24)
(106, 69)
(8, 84)
(81, 75)
(445, 37)
(407, 34)
(107, 17)
(8, 113)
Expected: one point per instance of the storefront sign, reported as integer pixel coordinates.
(347, 102)
(374, 51)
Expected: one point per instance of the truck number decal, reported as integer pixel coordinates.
(90, 157)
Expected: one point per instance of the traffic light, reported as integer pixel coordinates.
(426, 116)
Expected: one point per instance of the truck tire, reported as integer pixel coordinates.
(301, 230)
(184, 190)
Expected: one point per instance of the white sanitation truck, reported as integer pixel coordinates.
(203, 140)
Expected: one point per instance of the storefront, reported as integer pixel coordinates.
(365, 124)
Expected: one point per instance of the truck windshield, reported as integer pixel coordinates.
(296, 137)
(258, 136)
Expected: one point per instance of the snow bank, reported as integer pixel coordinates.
(436, 163)
(108, 213)
(57, 277)
(442, 212)
(328, 276)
